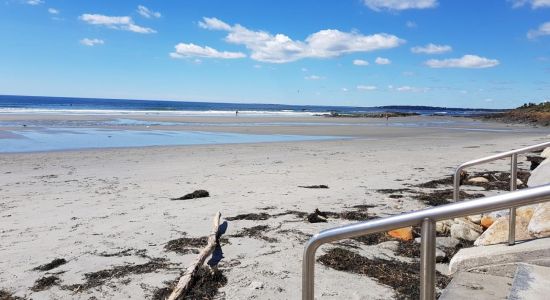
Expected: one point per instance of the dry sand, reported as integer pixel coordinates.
(78, 205)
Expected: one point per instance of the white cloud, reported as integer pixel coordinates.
(360, 62)
(314, 77)
(432, 49)
(53, 11)
(114, 22)
(367, 87)
(304, 69)
(379, 5)
(410, 89)
(91, 42)
(35, 2)
(534, 3)
(191, 50)
(466, 61)
(344, 89)
(411, 24)
(544, 29)
(279, 48)
(382, 61)
(147, 13)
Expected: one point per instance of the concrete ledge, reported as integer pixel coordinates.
(531, 283)
(467, 285)
(475, 257)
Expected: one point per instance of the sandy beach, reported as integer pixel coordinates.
(103, 208)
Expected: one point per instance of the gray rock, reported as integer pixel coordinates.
(465, 230)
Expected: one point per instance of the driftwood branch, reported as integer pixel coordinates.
(185, 281)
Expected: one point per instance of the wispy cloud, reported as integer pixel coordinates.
(314, 77)
(410, 89)
(533, 3)
(411, 24)
(279, 48)
(367, 87)
(191, 50)
(34, 2)
(115, 22)
(431, 49)
(53, 11)
(544, 29)
(466, 61)
(147, 13)
(91, 42)
(382, 61)
(378, 5)
(360, 62)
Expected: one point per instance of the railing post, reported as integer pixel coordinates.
(456, 184)
(427, 260)
(513, 186)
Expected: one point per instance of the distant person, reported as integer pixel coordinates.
(387, 116)
(236, 113)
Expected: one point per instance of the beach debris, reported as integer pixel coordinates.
(317, 216)
(401, 276)
(256, 232)
(250, 216)
(404, 234)
(478, 180)
(98, 278)
(321, 186)
(193, 271)
(51, 265)
(44, 283)
(194, 195)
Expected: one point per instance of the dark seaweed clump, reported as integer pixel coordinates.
(193, 195)
(440, 197)
(95, 279)
(402, 277)
(251, 217)
(321, 186)
(51, 265)
(255, 232)
(205, 287)
(186, 245)
(45, 283)
(5, 295)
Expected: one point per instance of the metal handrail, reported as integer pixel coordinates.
(513, 154)
(426, 218)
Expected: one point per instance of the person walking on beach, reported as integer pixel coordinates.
(236, 113)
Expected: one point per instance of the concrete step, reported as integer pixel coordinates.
(476, 257)
(468, 285)
(531, 282)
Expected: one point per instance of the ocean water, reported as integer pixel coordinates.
(64, 105)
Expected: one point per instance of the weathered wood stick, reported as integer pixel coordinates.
(185, 281)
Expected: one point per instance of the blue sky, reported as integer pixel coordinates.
(468, 53)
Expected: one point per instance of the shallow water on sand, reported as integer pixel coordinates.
(39, 139)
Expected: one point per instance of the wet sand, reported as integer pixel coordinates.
(106, 208)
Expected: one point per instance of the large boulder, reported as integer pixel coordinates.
(546, 153)
(464, 229)
(539, 225)
(540, 175)
(498, 231)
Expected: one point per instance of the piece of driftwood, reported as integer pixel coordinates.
(185, 281)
